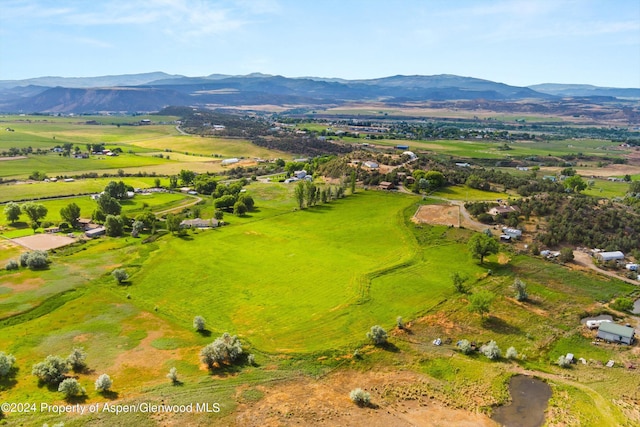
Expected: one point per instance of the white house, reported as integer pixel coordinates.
(513, 233)
(371, 165)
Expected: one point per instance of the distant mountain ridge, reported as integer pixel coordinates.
(585, 90)
(154, 91)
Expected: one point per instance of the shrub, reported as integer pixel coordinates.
(103, 383)
(6, 363)
(120, 274)
(77, 359)
(225, 349)
(377, 335)
(173, 375)
(37, 260)
(563, 362)
(491, 350)
(511, 353)
(465, 346)
(12, 265)
(52, 370)
(70, 387)
(360, 397)
(520, 289)
(251, 359)
(622, 304)
(400, 322)
(198, 323)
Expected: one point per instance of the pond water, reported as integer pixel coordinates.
(636, 307)
(529, 400)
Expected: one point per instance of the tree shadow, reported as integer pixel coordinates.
(225, 370)
(387, 346)
(177, 383)
(185, 237)
(109, 394)
(77, 399)
(9, 380)
(500, 326)
(204, 332)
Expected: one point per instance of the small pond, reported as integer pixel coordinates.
(529, 400)
(636, 307)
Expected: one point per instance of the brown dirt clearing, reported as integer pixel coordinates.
(44, 242)
(326, 403)
(438, 214)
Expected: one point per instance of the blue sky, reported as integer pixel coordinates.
(518, 42)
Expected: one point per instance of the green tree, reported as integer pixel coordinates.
(247, 200)
(310, 193)
(239, 208)
(173, 182)
(187, 176)
(480, 245)
(120, 274)
(435, 179)
(299, 194)
(575, 184)
(147, 218)
(35, 211)
(117, 190)
(70, 214)
(108, 205)
(12, 212)
(156, 183)
(353, 182)
(173, 223)
(114, 226)
(566, 255)
(459, 281)
(480, 302)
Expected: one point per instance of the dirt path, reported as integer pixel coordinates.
(585, 260)
(197, 200)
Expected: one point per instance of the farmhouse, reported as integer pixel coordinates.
(386, 185)
(610, 256)
(503, 210)
(199, 223)
(613, 332)
(52, 230)
(371, 165)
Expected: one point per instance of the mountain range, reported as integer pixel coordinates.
(153, 91)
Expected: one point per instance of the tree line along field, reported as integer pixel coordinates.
(300, 288)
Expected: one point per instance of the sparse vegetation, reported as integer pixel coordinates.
(360, 397)
(70, 387)
(103, 383)
(52, 370)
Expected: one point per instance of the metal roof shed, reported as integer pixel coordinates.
(616, 333)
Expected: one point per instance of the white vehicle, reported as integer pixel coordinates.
(593, 324)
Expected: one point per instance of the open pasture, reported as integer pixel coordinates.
(298, 282)
(36, 190)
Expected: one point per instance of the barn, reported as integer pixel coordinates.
(610, 256)
(613, 332)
